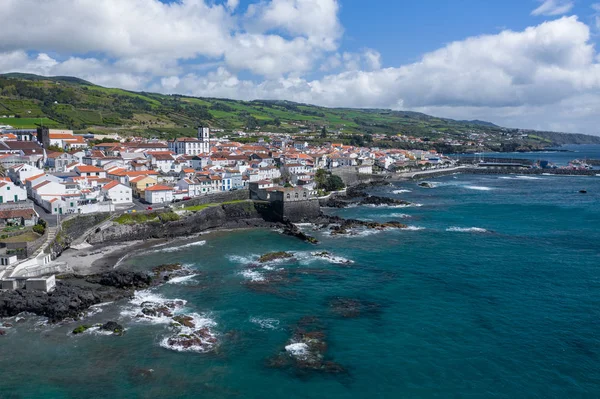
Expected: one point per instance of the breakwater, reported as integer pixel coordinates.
(494, 171)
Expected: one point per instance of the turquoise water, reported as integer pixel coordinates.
(494, 292)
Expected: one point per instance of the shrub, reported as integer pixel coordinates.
(38, 228)
(168, 217)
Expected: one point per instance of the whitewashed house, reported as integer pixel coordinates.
(9, 192)
(158, 194)
(118, 193)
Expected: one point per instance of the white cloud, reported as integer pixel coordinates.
(542, 77)
(553, 7)
(285, 36)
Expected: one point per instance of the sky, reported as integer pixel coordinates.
(517, 63)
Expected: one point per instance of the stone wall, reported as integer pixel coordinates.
(238, 215)
(351, 177)
(237, 195)
(300, 211)
(23, 250)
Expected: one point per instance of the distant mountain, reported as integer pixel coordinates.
(76, 104)
(480, 123)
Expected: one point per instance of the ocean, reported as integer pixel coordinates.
(492, 292)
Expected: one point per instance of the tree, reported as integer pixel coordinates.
(324, 132)
(328, 182)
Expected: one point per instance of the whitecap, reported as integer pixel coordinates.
(252, 275)
(479, 188)
(400, 215)
(182, 279)
(467, 229)
(401, 191)
(528, 178)
(180, 247)
(413, 228)
(298, 349)
(244, 260)
(148, 299)
(265, 323)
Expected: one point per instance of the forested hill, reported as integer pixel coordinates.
(28, 100)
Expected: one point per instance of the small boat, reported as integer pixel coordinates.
(582, 191)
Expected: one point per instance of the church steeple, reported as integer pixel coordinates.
(204, 137)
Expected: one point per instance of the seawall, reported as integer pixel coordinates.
(238, 215)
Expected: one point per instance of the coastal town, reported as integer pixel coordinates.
(51, 175)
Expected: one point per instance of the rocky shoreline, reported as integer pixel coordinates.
(74, 294)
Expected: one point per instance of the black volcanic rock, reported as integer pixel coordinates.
(378, 201)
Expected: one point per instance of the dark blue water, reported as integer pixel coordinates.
(494, 292)
(566, 154)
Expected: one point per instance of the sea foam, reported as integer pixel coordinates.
(467, 229)
(181, 247)
(265, 323)
(479, 188)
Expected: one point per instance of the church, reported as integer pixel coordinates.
(192, 146)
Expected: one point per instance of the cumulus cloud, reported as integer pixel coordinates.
(553, 7)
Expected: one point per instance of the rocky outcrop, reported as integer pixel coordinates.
(73, 295)
(292, 230)
(306, 350)
(121, 279)
(383, 201)
(346, 226)
(274, 256)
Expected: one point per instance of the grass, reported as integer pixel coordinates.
(136, 218)
(197, 208)
(26, 237)
(27, 123)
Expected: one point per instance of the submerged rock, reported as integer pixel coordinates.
(306, 350)
(426, 185)
(2, 333)
(275, 256)
(352, 308)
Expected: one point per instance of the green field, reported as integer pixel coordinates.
(28, 123)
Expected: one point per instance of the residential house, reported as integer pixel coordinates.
(118, 193)
(9, 192)
(158, 194)
(139, 184)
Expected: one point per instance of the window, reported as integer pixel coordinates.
(296, 195)
(288, 196)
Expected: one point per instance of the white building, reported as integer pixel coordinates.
(9, 192)
(186, 146)
(204, 137)
(158, 194)
(118, 193)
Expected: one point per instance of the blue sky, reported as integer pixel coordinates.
(528, 63)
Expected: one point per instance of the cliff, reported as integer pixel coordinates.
(228, 216)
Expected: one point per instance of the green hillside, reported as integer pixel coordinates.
(72, 103)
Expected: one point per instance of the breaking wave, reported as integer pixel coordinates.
(401, 191)
(479, 188)
(265, 323)
(467, 229)
(180, 247)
